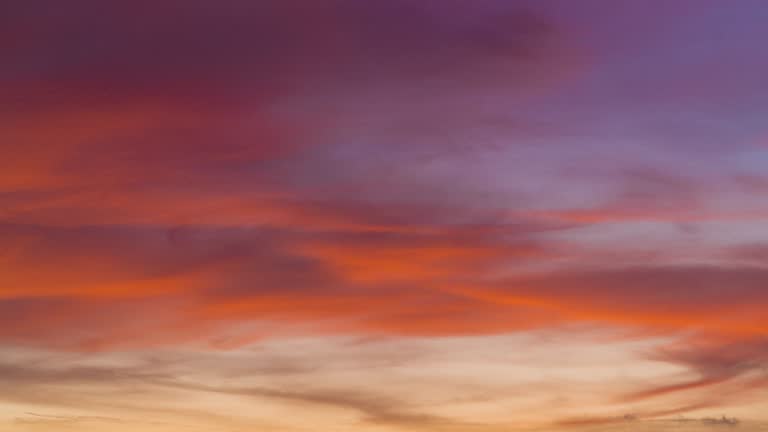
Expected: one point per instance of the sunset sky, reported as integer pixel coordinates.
(383, 215)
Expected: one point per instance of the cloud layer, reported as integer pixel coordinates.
(217, 175)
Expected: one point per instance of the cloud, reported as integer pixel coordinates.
(35, 374)
(714, 312)
(648, 422)
(90, 281)
(739, 363)
(222, 172)
(708, 297)
(213, 46)
(161, 161)
(748, 253)
(131, 84)
(36, 419)
(175, 109)
(372, 408)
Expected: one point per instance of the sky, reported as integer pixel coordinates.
(383, 215)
